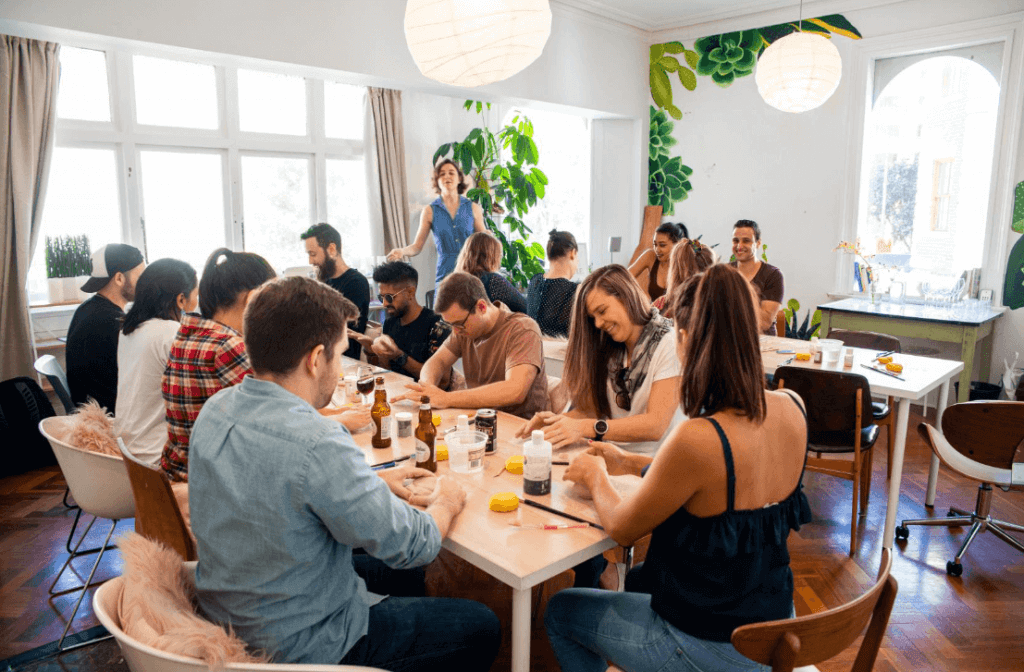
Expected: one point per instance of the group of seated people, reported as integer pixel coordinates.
(314, 558)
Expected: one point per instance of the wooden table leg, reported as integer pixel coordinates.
(521, 604)
(933, 470)
(902, 420)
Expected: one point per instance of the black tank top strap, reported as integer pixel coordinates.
(730, 471)
(807, 448)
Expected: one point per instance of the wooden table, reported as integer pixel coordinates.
(920, 321)
(518, 558)
(920, 375)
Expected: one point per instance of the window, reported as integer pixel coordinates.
(928, 148)
(183, 161)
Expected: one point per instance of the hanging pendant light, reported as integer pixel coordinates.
(798, 72)
(475, 42)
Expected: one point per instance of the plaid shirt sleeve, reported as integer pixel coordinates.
(232, 362)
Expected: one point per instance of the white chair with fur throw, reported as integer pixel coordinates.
(98, 482)
(150, 613)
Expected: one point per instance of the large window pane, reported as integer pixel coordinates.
(347, 210)
(81, 199)
(270, 103)
(183, 205)
(83, 85)
(344, 111)
(929, 142)
(175, 93)
(275, 207)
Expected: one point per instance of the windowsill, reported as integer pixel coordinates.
(43, 309)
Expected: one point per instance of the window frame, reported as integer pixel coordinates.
(1008, 29)
(128, 138)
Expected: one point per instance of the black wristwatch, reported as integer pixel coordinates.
(600, 429)
(400, 360)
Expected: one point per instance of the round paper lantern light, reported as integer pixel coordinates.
(798, 72)
(475, 42)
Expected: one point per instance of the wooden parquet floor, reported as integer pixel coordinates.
(966, 624)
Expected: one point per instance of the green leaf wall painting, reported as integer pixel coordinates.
(724, 58)
(1013, 287)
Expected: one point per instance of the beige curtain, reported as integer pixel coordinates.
(389, 142)
(29, 71)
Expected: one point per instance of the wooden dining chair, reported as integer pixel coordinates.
(780, 324)
(838, 421)
(813, 639)
(882, 411)
(157, 515)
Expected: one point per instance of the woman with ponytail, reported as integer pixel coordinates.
(549, 295)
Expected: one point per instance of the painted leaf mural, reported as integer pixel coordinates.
(1018, 209)
(728, 57)
(664, 63)
(1013, 289)
(668, 180)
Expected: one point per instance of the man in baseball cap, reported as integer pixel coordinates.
(92, 337)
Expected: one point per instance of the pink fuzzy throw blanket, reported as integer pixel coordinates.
(93, 430)
(157, 607)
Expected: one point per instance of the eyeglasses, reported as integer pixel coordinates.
(460, 324)
(390, 298)
(622, 396)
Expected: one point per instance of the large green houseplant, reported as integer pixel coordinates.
(505, 188)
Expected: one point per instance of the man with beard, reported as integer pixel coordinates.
(412, 333)
(91, 352)
(281, 496)
(323, 245)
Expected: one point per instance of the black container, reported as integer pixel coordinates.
(486, 421)
(980, 391)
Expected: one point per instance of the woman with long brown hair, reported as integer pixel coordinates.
(719, 500)
(481, 256)
(621, 371)
(688, 258)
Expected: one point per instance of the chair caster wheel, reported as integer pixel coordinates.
(954, 568)
(902, 532)
(951, 514)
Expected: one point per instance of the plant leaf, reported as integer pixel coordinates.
(687, 79)
(657, 51)
(670, 64)
(674, 47)
(838, 24)
(442, 151)
(661, 88)
(691, 58)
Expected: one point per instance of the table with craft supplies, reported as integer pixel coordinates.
(520, 557)
(920, 375)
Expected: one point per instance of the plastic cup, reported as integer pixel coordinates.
(466, 451)
(831, 349)
(350, 387)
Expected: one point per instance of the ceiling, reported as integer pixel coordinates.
(654, 15)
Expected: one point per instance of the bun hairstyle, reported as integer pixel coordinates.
(157, 291)
(437, 174)
(560, 243)
(229, 274)
(675, 232)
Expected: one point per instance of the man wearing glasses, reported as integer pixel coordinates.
(501, 353)
(412, 333)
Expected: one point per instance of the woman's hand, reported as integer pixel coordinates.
(562, 431)
(397, 254)
(616, 459)
(584, 469)
(538, 421)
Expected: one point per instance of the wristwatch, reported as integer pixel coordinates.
(400, 360)
(600, 429)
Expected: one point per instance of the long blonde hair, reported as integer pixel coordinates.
(481, 253)
(590, 349)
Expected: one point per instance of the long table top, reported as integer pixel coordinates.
(518, 557)
(914, 311)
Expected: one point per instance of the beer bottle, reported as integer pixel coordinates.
(426, 456)
(380, 413)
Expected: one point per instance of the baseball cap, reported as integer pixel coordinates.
(109, 260)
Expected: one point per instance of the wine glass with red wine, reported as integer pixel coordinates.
(364, 384)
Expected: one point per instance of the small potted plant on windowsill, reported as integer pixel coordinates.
(68, 265)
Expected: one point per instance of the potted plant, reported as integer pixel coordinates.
(504, 189)
(68, 265)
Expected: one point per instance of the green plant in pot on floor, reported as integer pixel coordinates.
(807, 329)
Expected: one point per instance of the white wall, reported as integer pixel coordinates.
(789, 172)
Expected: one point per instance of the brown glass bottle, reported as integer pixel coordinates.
(380, 413)
(426, 456)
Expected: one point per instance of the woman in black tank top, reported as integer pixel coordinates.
(719, 500)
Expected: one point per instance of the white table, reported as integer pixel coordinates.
(920, 375)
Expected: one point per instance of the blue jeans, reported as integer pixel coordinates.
(589, 627)
(421, 633)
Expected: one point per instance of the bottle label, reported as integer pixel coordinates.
(385, 428)
(536, 469)
(422, 452)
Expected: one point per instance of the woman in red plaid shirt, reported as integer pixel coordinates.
(208, 353)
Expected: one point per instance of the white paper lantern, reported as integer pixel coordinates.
(798, 72)
(475, 42)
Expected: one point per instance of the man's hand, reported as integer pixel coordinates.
(615, 458)
(438, 397)
(585, 469)
(448, 494)
(385, 346)
(395, 477)
(560, 430)
(538, 421)
(356, 418)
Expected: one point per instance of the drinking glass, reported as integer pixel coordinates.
(365, 372)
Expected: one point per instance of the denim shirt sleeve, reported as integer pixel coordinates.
(359, 509)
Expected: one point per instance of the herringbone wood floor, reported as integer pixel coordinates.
(938, 623)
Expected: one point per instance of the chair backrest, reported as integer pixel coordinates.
(831, 401)
(780, 323)
(809, 640)
(428, 299)
(988, 432)
(98, 482)
(869, 340)
(143, 658)
(157, 515)
(51, 368)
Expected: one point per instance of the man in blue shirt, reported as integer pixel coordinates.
(281, 495)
